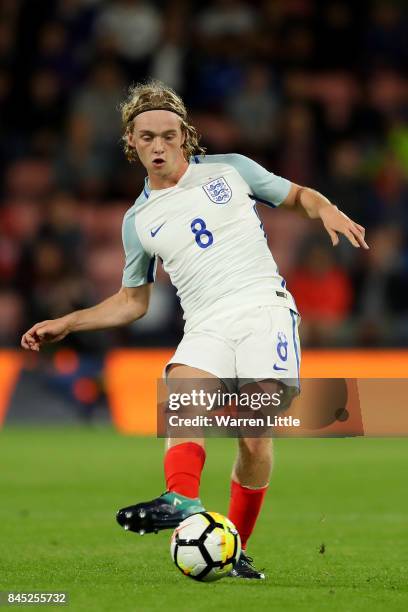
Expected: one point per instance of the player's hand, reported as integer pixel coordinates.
(45, 332)
(337, 222)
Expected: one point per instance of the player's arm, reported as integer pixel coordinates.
(273, 190)
(314, 205)
(129, 304)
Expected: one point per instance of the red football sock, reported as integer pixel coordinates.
(245, 506)
(183, 465)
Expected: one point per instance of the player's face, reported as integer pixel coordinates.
(158, 138)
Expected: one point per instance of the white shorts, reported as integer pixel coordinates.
(247, 344)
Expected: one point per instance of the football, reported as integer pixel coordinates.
(205, 546)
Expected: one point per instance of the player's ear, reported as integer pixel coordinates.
(129, 137)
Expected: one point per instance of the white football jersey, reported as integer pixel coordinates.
(207, 232)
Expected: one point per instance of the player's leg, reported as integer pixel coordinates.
(249, 483)
(254, 462)
(185, 456)
(183, 463)
(269, 352)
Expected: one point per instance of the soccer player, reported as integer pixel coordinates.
(197, 213)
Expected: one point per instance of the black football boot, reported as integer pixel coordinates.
(164, 512)
(245, 569)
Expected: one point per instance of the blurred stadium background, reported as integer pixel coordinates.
(314, 90)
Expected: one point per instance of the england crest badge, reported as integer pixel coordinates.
(218, 191)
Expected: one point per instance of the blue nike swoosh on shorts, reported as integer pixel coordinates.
(276, 367)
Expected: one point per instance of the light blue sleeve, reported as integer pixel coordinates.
(265, 186)
(140, 267)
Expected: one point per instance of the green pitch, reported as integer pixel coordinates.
(333, 534)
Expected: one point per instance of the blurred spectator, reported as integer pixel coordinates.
(96, 103)
(220, 133)
(53, 286)
(20, 221)
(168, 64)
(345, 185)
(4, 97)
(6, 42)
(226, 18)
(391, 198)
(47, 104)
(388, 93)
(131, 30)
(298, 152)
(61, 225)
(398, 141)
(337, 35)
(297, 46)
(225, 33)
(381, 295)
(77, 18)
(91, 152)
(216, 75)
(57, 55)
(337, 96)
(255, 110)
(5, 120)
(28, 178)
(9, 9)
(12, 317)
(322, 293)
(387, 34)
(9, 256)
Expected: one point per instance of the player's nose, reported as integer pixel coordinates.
(158, 146)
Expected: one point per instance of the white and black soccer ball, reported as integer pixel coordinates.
(205, 546)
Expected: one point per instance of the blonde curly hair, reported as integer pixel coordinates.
(155, 95)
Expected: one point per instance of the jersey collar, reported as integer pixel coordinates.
(147, 190)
